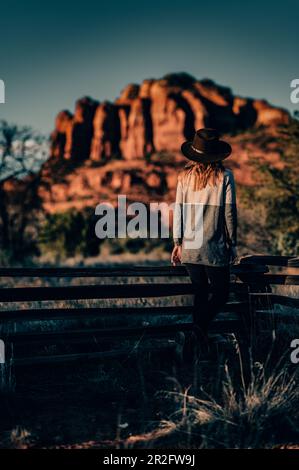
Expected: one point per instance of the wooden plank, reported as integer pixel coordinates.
(291, 261)
(66, 314)
(94, 335)
(268, 300)
(294, 262)
(108, 291)
(278, 317)
(110, 271)
(248, 268)
(103, 291)
(270, 278)
(88, 358)
(106, 271)
(88, 313)
(219, 326)
(281, 279)
(91, 336)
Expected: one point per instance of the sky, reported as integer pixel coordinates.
(52, 53)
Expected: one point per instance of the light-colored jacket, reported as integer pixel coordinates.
(205, 221)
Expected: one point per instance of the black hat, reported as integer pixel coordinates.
(206, 147)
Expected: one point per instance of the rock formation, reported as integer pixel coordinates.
(63, 123)
(132, 146)
(79, 133)
(106, 132)
(155, 117)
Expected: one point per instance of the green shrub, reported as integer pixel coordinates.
(273, 201)
(69, 234)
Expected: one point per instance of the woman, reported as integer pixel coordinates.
(205, 223)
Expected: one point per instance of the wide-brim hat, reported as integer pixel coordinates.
(206, 147)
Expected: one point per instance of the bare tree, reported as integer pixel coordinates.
(22, 152)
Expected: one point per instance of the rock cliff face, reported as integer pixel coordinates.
(73, 134)
(132, 146)
(66, 186)
(156, 116)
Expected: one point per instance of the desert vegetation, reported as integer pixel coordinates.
(240, 396)
(271, 205)
(268, 210)
(234, 397)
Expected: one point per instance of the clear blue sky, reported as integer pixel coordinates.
(52, 53)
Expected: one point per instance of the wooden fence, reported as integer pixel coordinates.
(251, 295)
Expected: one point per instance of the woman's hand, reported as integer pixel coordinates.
(176, 255)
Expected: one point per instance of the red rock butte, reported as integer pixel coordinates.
(132, 146)
(153, 117)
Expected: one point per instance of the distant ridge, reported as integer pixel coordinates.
(155, 116)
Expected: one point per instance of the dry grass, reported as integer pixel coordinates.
(261, 414)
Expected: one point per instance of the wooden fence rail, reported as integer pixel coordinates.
(251, 282)
(112, 271)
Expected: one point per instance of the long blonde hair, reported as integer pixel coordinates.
(201, 174)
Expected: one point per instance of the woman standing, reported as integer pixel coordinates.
(205, 223)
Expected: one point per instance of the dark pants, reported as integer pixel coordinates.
(211, 285)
